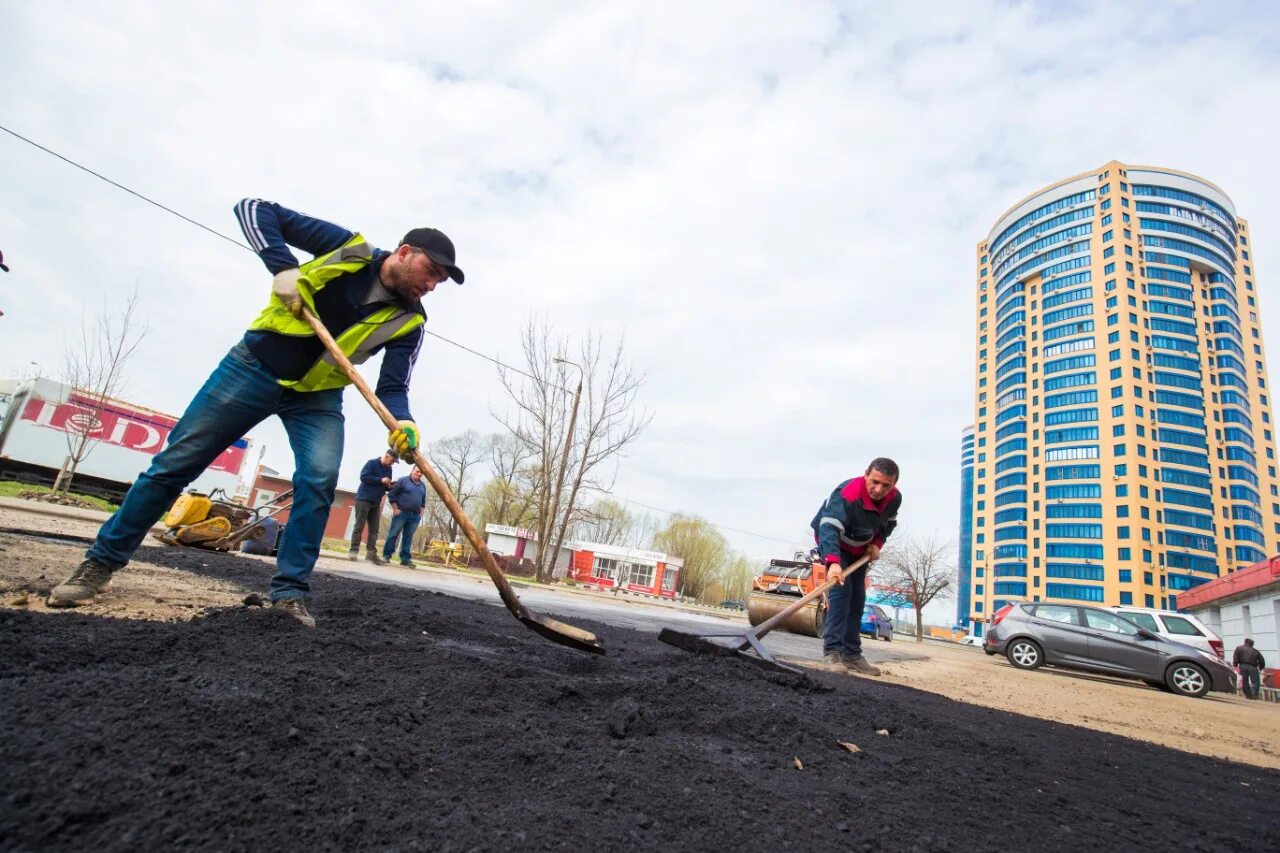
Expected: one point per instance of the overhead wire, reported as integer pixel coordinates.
(436, 335)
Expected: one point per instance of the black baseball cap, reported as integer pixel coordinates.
(438, 247)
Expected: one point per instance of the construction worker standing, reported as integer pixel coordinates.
(854, 521)
(375, 481)
(408, 497)
(369, 300)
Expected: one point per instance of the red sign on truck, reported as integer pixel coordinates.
(133, 429)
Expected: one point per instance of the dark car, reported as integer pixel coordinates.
(876, 623)
(1095, 640)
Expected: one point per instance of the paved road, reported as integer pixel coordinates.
(627, 613)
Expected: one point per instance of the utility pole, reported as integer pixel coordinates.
(564, 464)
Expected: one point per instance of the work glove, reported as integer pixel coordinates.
(404, 439)
(285, 286)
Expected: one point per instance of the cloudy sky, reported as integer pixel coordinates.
(776, 203)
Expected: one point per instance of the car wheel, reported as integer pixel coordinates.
(1025, 654)
(1187, 679)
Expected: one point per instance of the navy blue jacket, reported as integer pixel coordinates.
(849, 521)
(371, 486)
(408, 495)
(271, 229)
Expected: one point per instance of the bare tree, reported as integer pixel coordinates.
(606, 522)
(919, 569)
(608, 422)
(456, 458)
(94, 368)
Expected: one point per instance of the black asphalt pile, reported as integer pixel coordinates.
(414, 721)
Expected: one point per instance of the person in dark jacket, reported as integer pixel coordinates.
(375, 480)
(408, 496)
(370, 302)
(854, 521)
(1250, 663)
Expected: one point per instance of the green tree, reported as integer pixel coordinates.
(701, 546)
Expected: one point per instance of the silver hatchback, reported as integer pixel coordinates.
(1088, 638)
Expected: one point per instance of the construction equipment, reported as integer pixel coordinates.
(552, 629)
(779, 586)
(742, 643)
(215, 522)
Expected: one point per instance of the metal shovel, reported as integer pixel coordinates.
(746, 641)
(552, 629)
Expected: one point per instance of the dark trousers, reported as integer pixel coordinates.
(371, 512)
(843, 625)
(1251, 679)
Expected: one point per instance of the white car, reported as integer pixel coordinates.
(1179, 627)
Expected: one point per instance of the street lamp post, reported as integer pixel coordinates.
(564, 459)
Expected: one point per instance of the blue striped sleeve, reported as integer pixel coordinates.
(271, 229)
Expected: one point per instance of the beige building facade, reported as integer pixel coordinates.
(1124, 447)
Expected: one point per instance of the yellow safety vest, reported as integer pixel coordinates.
(359, 340)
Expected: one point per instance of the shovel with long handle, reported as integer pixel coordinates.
(744, 641)
(552, 629)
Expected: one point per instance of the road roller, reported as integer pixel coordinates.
(779, 586)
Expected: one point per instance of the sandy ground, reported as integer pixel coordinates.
(1217, 725)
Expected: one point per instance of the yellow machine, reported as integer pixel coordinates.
(446, 552)
(215, 522)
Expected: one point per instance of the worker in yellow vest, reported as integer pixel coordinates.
(370, 301)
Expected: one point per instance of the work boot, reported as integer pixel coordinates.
(373, 557)
(859, 665)
(353, 554)
(409, 564)
(298, 608)
(85, 582)
(833, 659)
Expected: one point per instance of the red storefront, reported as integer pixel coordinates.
(630, 569)
(268, 486)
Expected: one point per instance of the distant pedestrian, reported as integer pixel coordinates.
(408, 496)
(375, 481)
(1249, 662)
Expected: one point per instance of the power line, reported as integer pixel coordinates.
(236, 242)
(246, 247)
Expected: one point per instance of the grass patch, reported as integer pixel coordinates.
(11, 488)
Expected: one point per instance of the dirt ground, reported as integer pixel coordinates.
(412, 720)
(1219, 724)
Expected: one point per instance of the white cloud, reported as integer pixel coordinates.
(777, 203)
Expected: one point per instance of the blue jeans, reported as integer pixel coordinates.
(843, 626)
(403, 524)
(239, 395)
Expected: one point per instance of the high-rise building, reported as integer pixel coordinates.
(965, 585)
(1123, 423)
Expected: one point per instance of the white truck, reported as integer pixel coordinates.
(37, 416)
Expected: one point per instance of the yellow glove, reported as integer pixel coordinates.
(404, 439)
(285, 286)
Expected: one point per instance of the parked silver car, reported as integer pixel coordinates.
(1088, 638)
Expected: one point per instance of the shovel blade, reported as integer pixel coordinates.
(561, 632)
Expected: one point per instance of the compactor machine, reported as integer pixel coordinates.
(216, 522)
(780, 585)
